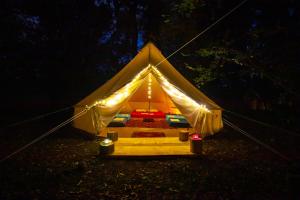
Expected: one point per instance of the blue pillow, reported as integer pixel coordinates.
(175, 117)
(127, 116)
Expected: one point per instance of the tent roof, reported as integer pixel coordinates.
(149, 54)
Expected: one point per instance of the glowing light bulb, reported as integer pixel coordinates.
(149, 86)
(106, 141)
(111, 102)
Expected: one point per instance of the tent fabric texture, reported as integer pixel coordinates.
(143, 85)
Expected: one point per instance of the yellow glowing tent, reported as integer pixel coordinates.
(168, 91)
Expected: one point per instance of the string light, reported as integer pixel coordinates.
(149, 86)
(173, 91)
(122, 93)
(170, 89)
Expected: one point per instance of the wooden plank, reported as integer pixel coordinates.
(152, 150)
(127, 131)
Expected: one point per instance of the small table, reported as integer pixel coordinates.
(183, 136)
(113, 135)
(196, 144)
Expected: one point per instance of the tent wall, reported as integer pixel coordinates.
(148, 55)
(159, 99)
(141, 95)
(213, 123)
(85, 121)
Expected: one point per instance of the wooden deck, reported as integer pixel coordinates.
(156, 147)
(126, 132)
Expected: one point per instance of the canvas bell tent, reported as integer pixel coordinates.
(142, 89)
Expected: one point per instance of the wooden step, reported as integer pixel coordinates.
(165, 146)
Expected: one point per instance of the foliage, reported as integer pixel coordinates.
(186, 7)
(204, 74)
(243, 51)
(49, 48)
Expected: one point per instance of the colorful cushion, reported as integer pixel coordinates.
(174, 117)
(178, 121)
(123, 116)
(116, 124)
(119, 119)
(181, 124)
(158, 114)
(146, 113)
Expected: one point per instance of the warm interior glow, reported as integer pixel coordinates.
(123, 93)
(171, 90)
(149, 86)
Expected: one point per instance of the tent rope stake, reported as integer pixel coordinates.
(44, 135)
(276, 152)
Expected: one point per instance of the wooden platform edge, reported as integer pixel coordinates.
(170, 156)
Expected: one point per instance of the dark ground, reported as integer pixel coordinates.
(66, 165)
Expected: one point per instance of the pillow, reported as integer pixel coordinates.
(123, 116)
(175, 117)
(174, 120)
(118, 119)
